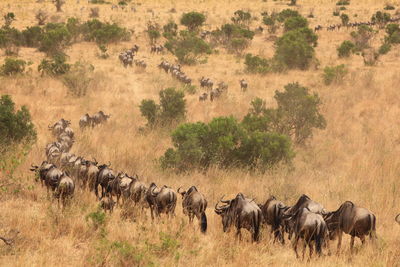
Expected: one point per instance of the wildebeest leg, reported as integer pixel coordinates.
(310, 245)
(362, 238)
(304, 248)
(339, 241)
(352, 243)
(296, 241)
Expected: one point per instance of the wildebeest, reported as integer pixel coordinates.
(161, 200)
(243, 85)
(397, 219)
(85, 121)
(194, 204)
(104, 176)
(140, 63)
(272, 211)
(49, 175)
(58, 127)
(100, 117)
(203, 97)
(107, 203)
(241, 212)
(206, 82)
(310, 227)
(156, 49)
(91, 173)
(65, 189)
(165, 66)
(42, 170)
(353, 220)
(137, 191)
(119, 186)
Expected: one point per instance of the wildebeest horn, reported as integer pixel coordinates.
(178, 190)
(224, 201)
(218, 210)
(398, 219)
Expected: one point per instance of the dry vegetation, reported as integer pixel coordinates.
(354, 158)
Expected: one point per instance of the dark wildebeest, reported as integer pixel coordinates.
(243, 213)
(65, 189)
(397, 219)
(91, 173)
(49, 174)
(58, 127)
(69, 132)
(137, 192)
(119, 186)
(85, 121)
(310, 227)
(203, 97)
(107, 203)
(104, 176)
(194, 204)
(353, 220)
(272, 211)
(42, 170)
(243, 85)
(161, 200)
(206, 82)
(303, 202)
(100, 117)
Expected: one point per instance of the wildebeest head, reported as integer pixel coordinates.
(223, 211)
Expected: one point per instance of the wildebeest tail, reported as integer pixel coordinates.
(372, 224)
(319, 236)
(203, 222)
(256, 226)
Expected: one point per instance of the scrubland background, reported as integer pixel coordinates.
(355, 158)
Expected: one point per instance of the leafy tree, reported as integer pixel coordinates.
(271, 22)
(384, 48)
(12, 66)
(149, 109)
(153, 32)
(8, 19)
(287, 13)
(55, 66)
(241, 17)
(345, 19)
(187, 47)
(15, 125)
(293, 23)
(103, 33)
(380, 18)
(170, 30)
(32, 36)
(41, 17)
(346, 49)
(298, 112)
(193, 20)
(362, 36)
(55, 38)
(256, 64)
(393, 34)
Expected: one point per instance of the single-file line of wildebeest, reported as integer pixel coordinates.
(307, 220)
(87, 121)
(175, 71)
(349, 25)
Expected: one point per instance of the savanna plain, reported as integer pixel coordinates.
(354, 158)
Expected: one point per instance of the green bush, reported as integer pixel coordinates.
(170, 30)
(55, 38)
(271, 22)
(393, 34)
(294, 48)
(294, 23)
(78, 78)
(343, 3)
(384, 48)
(12, 66)
(8, 19)
(345, 19)
(346, 49)
(380, 18)
(241, 17)
(153, 32)
(224, 142)
(297, 113)
(287, 13)
(256, 64)
(15, 125)
(334, 74)
(172, 108)
(336, 13)
(187, 47)
(97, 219)
(10, 37)
(193, 20)
(32, 36)
(238, 45)
(54, 66)
(362, 36)
(104, 33)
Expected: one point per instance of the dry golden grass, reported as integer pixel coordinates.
(355, 158)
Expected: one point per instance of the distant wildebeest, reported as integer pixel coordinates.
(137, 192)
(156, 49)
(203, 97)
(119, 186)
(85, 121)
(65, 189)
(91, 173)
(100, 117)
(42, 170)
(303, 202)
(140, 63)
(243, 85)
(107, 203)
(161, 200)
(206, 82)
(397, 219)
(58, 127)
(194, 204)
(272, 211)
(241, 212)
(165, 66)
(49, 174)
(104, 176)
(310, 227)
(352, 220)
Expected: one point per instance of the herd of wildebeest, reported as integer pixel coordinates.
(307, 219)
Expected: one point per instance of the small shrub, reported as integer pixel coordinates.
(55, 38)
(384, 49)
(238, 45)
(362, 36)
(170, 30)
(336, 13)
(345, 19)
(16, 125)
(389, 7)
(103, 33)
(294, 23)
(41, 17)
(12, 66)
(287, 13)
(78, 79)
(94, 12)
(8, 19)
(346, 49)
(334, 74)
(153, 32)
(59, 4)
(343, 3)
(271, 22)
(103, 52)
(32, 36)
(293, 2)
(149, 109)
(193, 20)
(393, 34)
(55, 66)
(381, 18)
(256, 64)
